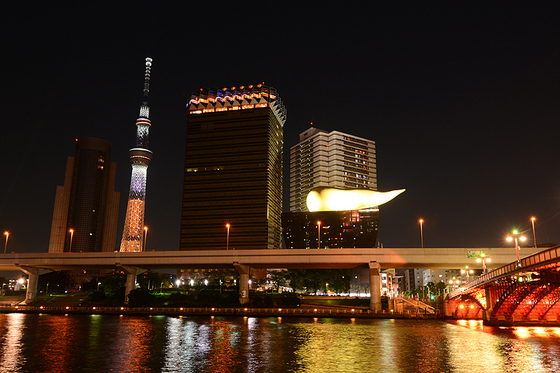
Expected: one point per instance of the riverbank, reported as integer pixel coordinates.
(213, 311)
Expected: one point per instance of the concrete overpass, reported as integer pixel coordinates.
(35, 264)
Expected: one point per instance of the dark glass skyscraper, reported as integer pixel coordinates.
(232, 194)
(86, 207)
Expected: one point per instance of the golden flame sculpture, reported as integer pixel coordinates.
(332, 199)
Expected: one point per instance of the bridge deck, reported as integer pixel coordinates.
(445, 258)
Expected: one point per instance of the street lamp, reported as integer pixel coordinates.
(515, 237)
(71, 237)
(319, 235)
(7, 234)
(484, 261)
(145, 238)
(534, 235)
(467, 271)
(421, 221)
(227, 239)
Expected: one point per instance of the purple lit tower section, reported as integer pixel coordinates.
(140, 158)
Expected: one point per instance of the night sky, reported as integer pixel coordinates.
(463, 102)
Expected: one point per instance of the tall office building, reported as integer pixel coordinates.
(330, 159)
(232, 194)
(86, 207)
(140, 157)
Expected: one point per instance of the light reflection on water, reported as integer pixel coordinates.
(96, 343)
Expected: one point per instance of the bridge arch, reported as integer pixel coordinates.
(518, 292)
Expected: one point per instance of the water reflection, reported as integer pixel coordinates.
(11, 331)
(523, 349)
(95, 343)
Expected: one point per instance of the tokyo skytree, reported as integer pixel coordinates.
(140, 158)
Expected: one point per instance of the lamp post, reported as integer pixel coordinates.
(534, 235)
(227, 237)
(467, 271)
(515, 235)
(145, 238)
(319, 235)
(421, 221)
(484, 261)
(7, 234)
(71, 237)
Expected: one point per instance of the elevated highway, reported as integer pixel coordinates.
(35, 264)
(446, 258)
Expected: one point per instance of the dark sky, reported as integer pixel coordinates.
(463, 102)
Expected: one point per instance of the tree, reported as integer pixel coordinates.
(152, 280)
(440, 287)
(113, 282)
(140, 298)
(338, 280)
(3, 283)
(314, 280)
(277, 279)
(53, 281)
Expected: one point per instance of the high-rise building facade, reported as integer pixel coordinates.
(330, 229)
(337, 160)
(232, 194)
(330, 159)
(140, 157)
(86, 207)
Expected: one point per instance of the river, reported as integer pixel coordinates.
(107, 343)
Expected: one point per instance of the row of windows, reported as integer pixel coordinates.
(355, 145)
(354, 150)
(355, 140)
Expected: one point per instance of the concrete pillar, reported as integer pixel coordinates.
(392, 304)
(375, 286)
(244, 271)
(32, 281)
(131, 273)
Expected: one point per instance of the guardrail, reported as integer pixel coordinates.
(531, 262)
(240, 311)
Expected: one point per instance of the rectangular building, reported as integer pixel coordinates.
(86, 207)
(232, 191)
(330, 159)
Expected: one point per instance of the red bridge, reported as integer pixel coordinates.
(525, 291)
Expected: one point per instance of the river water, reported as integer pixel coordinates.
(106, 343)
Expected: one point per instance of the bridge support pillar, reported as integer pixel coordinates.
(375, 286)
(489, 302)
(131, 273)
(244, 272)
(33, 273)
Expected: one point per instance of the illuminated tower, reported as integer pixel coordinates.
(140, 158)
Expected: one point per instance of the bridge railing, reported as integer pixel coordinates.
(527, 263)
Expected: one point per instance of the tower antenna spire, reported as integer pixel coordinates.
(147, 78)
(140, 158)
